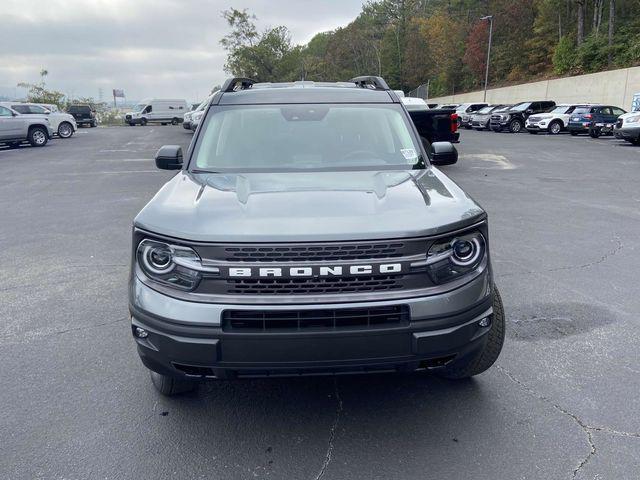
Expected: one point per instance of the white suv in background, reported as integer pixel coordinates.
(62, 124)
(552, 122)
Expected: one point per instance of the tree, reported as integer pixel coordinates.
(38, 92)
(266, 56)
(581, 8)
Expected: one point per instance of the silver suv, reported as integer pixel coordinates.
(308, 232)
(16, 128)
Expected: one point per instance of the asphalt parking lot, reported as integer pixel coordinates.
(561, 403)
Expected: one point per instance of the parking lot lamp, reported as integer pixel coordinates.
(486, 73)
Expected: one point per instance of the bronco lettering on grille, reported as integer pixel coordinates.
(315, 271)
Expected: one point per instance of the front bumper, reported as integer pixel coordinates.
(536, 127)
(186, 125)
(498, 125)
(188, 339)
(630, 134)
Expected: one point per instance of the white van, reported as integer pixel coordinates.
(157, 110)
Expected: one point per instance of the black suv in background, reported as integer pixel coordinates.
(84, 115)
(514, 119)
(584, 118)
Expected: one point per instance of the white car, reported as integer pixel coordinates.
(196, 115)
(628, 127)
(195, 119)
(554, 121)
(62, 124)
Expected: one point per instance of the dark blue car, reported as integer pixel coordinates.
(585, 118)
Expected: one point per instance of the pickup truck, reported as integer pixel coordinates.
(307, 231)
(433, 124)
(16, 128)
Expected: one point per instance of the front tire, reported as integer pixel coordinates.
(38, 137)
(555, 127)
(489, 353)
(169, 386)
(174, 121)
(65, 130)
(93, 124)
(594, 132)
(515, 126)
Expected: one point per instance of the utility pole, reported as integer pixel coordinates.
(486, 73)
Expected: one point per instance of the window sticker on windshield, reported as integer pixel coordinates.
(408, 153)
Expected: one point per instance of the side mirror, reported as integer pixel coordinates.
(169, 157)
(529, 111)
(443, 153)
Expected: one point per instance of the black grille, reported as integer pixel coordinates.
(128, 117)
(310, 286)
(306, 253)
(309, 320)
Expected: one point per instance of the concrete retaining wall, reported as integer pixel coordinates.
(615, 87)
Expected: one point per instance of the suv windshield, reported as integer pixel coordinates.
(255, 138)
(521, 107)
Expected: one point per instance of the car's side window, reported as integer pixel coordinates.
(535, 106)
(606, 111)
(618, 111)
(5, 112)
(148, 109)
(21, 108)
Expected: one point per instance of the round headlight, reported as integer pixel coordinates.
(157, 258)
(465, 251)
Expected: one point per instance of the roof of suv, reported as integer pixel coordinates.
(306, 92)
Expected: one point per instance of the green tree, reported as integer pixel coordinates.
(564, 56)
(38, 92)
(265, 57)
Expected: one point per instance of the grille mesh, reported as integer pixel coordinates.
(329, 319)
(300, 253)
(306, 286)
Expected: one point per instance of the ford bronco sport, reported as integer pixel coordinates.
(307, 232)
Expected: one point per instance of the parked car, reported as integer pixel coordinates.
(62, 124)
(306, 232)
(157, 110)
(435, 124)
(554, 121)
(481, 119)
(195, 119)
(587, 119)
(188, 117)
(628, 127)
(84, 114)
(514, 119)
(16, 128)
(465, 110)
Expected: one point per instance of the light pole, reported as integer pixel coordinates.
(486, 73)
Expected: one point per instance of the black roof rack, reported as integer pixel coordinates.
(369, 81)
(231, 84)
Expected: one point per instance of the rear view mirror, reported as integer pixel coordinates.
(169, 157)
(443, 153)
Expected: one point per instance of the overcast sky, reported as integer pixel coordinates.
(149, 48)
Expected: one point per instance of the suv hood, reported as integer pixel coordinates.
(313, 206)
